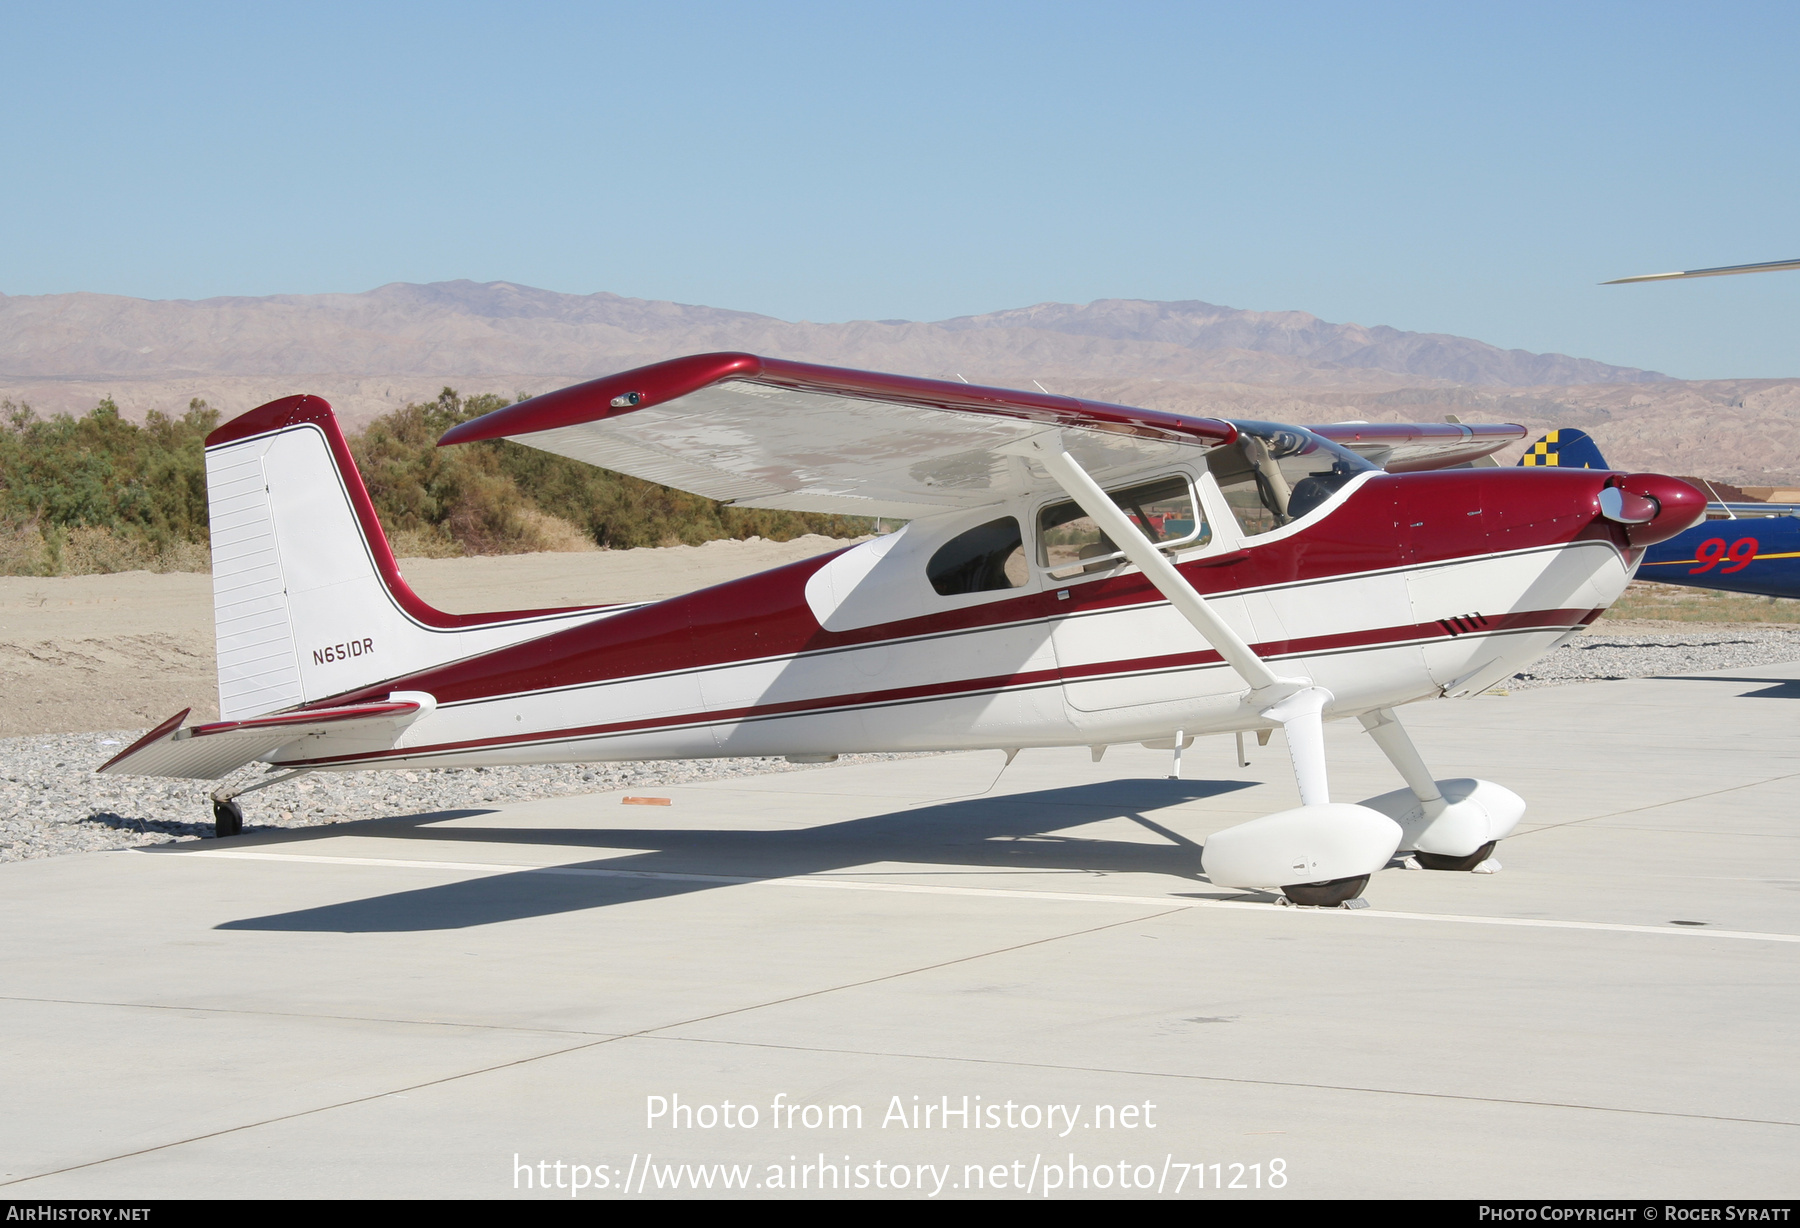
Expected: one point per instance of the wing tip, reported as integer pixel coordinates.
(155, 735)
(607, 397)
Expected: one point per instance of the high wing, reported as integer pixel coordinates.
(769, 433)
(1410, 447)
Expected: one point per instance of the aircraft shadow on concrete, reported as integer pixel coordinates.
(1009, 832)
(1778, 688)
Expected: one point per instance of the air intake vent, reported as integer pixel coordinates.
(1462, 624)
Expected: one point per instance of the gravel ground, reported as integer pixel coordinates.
(52, 803)
(1603, 655)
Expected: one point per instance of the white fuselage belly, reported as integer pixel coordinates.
(1373, 639)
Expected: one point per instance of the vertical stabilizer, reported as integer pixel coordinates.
(1565, 448)
(307, 600)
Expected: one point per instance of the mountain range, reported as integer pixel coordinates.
(371, 352)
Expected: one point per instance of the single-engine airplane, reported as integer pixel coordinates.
(1072, 573)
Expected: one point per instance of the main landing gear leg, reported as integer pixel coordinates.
(1327, 850)
(1302, 720)
(228, 816)
(1449, 824)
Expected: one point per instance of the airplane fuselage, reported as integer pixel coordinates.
(1755, 555)
(1400, 588)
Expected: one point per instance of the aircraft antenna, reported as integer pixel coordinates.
(1715, 497)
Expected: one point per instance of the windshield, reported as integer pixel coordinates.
(1275, 474)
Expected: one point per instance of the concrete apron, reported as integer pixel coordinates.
(455, 1004)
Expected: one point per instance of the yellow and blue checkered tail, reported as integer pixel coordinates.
(1566, 448)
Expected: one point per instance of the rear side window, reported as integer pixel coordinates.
(1070, 543)
(984, 559)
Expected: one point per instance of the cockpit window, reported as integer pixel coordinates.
(1274, 474)
(1070, 543)
(984, 559)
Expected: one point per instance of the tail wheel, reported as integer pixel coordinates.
(228, 819)
(1438, 861)
(1328, 894)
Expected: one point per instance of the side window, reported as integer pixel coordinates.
(984, 559)
(1070, 543)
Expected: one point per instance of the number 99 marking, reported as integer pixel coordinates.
(1712, 552)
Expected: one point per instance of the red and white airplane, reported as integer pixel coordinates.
(1071, 574)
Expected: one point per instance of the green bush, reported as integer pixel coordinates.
(99, 493)
(141, 486)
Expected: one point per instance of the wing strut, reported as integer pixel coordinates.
(1294, 703)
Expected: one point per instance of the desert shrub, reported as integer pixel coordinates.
(88, 550)
(104, 494)
(23, 551)
(99, 494)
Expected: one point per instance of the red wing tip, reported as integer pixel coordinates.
(606, 397)
(155, 735)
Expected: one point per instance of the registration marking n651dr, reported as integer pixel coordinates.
(343, 652)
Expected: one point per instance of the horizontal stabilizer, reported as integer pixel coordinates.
(207, 752)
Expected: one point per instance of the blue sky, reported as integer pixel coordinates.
(1471, 169)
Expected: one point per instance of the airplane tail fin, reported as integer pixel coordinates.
(308, 602)
(1566, 448)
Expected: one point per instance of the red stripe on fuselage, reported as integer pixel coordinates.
(1388, 522)
(1387, 637)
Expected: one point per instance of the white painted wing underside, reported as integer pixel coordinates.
(762, 446)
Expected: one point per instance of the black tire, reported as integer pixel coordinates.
(1438, 861)
(1327, 894)
(228, 819)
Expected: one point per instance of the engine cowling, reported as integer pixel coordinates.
(1653, 507)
